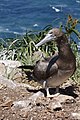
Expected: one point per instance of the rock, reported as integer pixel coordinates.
(63, 98)
(36, 95)
(2, 69)
(7, 82)
(10, 63)
(29, 102)
(55, 106)
(76, 116)
(8, 68)
(42, 101)
(4, 82)
(7, 103)
(21, 104)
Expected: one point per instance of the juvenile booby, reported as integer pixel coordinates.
(54, 71)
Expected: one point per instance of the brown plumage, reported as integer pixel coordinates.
(53, 72)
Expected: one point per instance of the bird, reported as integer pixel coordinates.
(54, 71)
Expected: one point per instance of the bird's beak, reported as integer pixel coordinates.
(47, 38)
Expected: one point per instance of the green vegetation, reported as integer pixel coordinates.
(23, 47)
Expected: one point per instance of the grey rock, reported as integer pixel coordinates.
(21, 104)
(7, 82)
(76, 116)
(63, 98)
(10, 63)
(36, 95)
(2, 69)
(29, 102)
(8, 68)
(55, 106)
(12, 84)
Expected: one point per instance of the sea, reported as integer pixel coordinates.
(19, 16)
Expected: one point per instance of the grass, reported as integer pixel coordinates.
(22, 48)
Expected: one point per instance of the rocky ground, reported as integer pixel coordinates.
(17, 103)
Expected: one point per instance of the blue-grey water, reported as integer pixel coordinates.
(17, 16)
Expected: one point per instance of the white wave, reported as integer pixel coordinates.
(18, 33)
(35, 25)
(62, 5)
(6, 30)
(23, 28)
(77, 1)
(57, 10)
(2, 29)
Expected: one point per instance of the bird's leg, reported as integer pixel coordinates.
(44, 84)
(48, 93)
(47, 90)
(54, 95)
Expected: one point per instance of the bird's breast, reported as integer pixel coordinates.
(64, 64)
(59, 78)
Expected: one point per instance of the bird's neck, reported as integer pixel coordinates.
(65, 51)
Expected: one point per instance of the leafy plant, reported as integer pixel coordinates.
(23, 47)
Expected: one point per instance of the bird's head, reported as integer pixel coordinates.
(54, 34)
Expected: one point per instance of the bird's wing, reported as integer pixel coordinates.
(44, 69)
(52, 67)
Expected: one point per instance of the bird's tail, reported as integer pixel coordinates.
(31, 67)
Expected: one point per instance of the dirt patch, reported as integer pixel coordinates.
(42, 108)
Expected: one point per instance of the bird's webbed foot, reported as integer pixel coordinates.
(53, 95)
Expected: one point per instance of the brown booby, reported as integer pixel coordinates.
(53, 72)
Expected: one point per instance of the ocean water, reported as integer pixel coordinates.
(17, 16)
